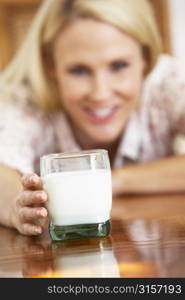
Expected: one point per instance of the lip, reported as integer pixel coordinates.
(101, 119)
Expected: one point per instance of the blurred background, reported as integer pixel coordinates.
(16, 15)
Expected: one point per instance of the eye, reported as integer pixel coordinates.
(118, 65)
(79, 70)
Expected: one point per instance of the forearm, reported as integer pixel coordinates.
(165, 175)
(10, 186)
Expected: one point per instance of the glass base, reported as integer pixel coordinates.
(79, 232)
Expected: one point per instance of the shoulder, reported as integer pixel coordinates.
(166, 83)
(168, 70)
(19, 95)
(19, 103)
(163, 98)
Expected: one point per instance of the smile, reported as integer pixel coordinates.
(101, 115)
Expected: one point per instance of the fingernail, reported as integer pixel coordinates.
(41, 196)
(33, 179)
(42, 212)
(37, 230)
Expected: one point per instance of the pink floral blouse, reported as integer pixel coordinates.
(26, 133)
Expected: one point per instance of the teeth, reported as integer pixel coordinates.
(104, 112)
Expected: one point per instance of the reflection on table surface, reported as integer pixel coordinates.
(147, 240)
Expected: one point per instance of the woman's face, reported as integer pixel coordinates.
(99, 71)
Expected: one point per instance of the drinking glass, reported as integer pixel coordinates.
(79, 189)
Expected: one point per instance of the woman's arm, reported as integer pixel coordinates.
(165, 175)
(10, 187)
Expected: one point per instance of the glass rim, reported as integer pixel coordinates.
(75, 154)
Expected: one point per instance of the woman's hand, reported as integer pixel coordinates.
(29, 206)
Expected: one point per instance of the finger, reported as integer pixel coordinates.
(27, 214)
(31, 181)
(31, 197)
(30, 229)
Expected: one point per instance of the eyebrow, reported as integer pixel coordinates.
(84, 63)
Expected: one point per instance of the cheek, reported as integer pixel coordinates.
(131, 86)
(130, 91)
(71, 90)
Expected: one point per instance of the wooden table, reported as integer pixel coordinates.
(147, 240)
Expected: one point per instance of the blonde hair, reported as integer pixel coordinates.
(132, 17)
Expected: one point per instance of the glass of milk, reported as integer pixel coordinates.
(79, 189)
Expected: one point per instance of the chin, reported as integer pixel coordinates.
(111, 132)
(104, 140)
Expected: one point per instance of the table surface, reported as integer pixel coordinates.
(147, 240)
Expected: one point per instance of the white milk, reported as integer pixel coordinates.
(79, 197)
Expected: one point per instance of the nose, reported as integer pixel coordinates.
(100, 88)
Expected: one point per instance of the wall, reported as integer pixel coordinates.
(177, 19)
